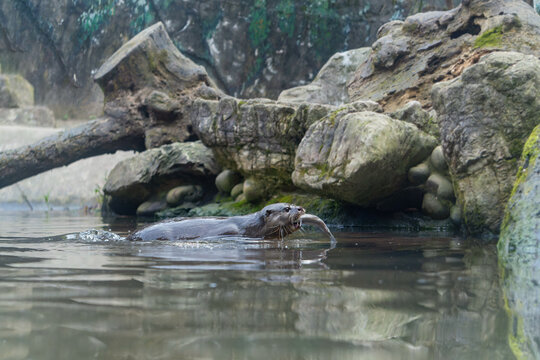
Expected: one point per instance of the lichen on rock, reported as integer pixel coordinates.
(359, 157)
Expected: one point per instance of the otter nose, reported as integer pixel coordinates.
(301, 209)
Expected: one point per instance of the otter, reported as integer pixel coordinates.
(272, 222)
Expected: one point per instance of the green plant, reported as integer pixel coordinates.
(490, 38)
(46, 198)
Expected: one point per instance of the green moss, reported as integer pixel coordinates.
(490, 38)
(410, 27)
(324, 169)
(530, 153)
(333, 115)
(242, 207)
(329, 210)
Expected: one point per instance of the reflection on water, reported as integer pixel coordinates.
(373, 296)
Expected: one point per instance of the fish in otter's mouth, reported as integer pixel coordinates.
(283, 219)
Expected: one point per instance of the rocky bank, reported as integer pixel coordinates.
(251, 48)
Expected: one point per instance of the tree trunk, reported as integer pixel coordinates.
(93, 138)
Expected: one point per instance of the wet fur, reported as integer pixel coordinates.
(273, 222)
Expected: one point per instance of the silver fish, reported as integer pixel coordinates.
(310, 219)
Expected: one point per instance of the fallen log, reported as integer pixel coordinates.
(96, 137)
(148, 86)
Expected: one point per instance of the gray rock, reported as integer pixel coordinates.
(388, 50)
(257, 137)
(132, 181)
(359, 157)
(419, 174)
(15, 92)
(329, 86)
(29, 116)
(237, 190)
(437, 160)
(149, 81)
(149, 208)
(486, 115)
(139, 62)
(519, 249)
(429, 47)
(434, 208)
(226, 180)
(440, 186)
(253, 190)
(186, 193)
(413, 113)
(294, 41)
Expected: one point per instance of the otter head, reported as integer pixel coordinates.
(281, 220)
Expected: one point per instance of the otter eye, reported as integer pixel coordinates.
(287, 209)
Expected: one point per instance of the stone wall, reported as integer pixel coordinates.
(251, 48)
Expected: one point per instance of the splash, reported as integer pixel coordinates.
(94, 235)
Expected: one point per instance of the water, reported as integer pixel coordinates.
(373, 296)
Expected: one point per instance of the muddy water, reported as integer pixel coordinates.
(372, 296)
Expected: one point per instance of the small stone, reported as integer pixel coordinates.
(433, 207)
(180, 194)
(240, 197)
(253, 190)
(237, 190)
(455, 214)
(439, 185)
(226, 180)
(150, 207)
(15, 92)
(437, 159)
(419, 174)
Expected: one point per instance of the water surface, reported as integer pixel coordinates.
(373, 296)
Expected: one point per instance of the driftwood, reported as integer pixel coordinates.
(93, 138)
(148, 86)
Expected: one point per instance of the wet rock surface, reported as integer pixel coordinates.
(519, 246)
(485, 116)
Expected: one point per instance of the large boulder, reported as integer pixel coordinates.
(329, 86)
(359, 157)
(485, 116)
(410, 56)
(257, 137)
(158, 170)
(519, 252)
(15, 91)
(149, 81)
